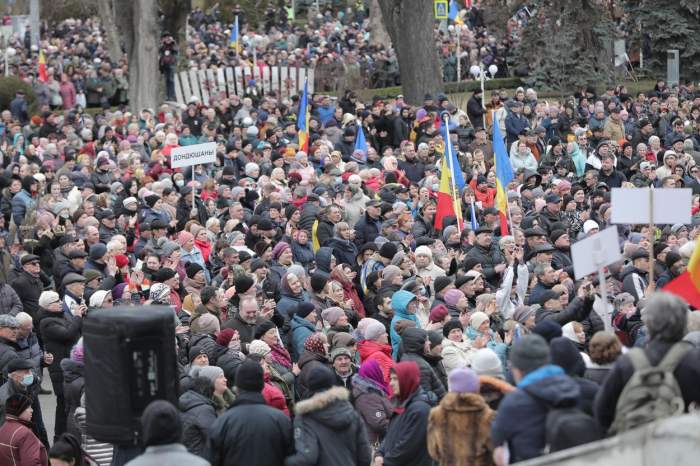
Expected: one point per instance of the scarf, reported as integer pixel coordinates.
(281, 356)
(371, 371)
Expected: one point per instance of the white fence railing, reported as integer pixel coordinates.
(213, 84)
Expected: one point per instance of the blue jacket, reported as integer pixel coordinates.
(526, 438)
(515, 123)
(288, 303)
(301, 330)
(21, 203)
(399, 303)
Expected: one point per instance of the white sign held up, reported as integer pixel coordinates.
(596, 251)
(196, 154)
(662, 206)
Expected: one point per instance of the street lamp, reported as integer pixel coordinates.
(479, 73)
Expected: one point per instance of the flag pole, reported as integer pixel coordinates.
(238, 38)
(448, 154)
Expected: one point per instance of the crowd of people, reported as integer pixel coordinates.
(335, 42)
(323, 316)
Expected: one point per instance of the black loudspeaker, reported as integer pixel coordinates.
(129, 361)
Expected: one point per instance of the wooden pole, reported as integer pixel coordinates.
(652, 235)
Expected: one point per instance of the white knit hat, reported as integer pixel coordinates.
(486, 362)
(258, 347)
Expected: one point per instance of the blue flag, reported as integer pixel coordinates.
(360, 144)
(451, 151)
(472, 210)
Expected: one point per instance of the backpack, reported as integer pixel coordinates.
(567, 426)
(652, 393)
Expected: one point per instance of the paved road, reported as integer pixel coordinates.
(48, 406)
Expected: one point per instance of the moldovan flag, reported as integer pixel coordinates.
(303, 120)
(43, 76)
(448, 205)
(234, 40)
(687, 284)
(504, 175)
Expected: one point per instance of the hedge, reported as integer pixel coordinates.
(8, 89)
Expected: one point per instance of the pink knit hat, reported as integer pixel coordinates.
(279, 249)
(184, 237)
(453, 296)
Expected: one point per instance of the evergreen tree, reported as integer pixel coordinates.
(667, 24)
(566, 44)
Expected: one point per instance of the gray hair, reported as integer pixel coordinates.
(505, 239)
(666, 317)
(23, 317)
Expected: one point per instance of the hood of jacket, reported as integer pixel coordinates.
(368, 347)
(298, 321)
(400, 300)
(362, 385)
(413, 340)
(308, 356)
(630, 269)
(72, 370)
(191, 400)
(551, 385)
(329, 407)
(323, 259)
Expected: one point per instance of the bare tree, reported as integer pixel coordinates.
(410, 24)
(378, 34)
(106, 12)
(138, 21)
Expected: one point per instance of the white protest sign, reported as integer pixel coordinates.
(196, 154)
(631, 205)
(596, 251)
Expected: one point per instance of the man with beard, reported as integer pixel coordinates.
(412, 165)
(561, 258)
(551, 214)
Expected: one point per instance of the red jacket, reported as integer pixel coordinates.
(370, 349)
(19, 446)
(274, 396)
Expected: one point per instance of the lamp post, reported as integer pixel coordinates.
(479, 73)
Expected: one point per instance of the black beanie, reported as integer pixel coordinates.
(441, 283)
(207, 293)
(304, 309)
(151, 200)
(388, 250)
(17, 403)
(548, 329)
(451, 325)
(249, 377)
(672, 258)
(161, 424)
(659, 247)
(192, 268)
(243, 284)
(318, 282)
(556, 234)
(262, 328)
(320, 378)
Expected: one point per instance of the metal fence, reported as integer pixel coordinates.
(213, 84)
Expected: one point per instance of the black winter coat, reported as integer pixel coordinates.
(307, 362)
(228, 361)
(329, 432)
(245, 330)
(345, 252)
(8, 352)
(73, 385)
(266, 433)
(324, 232)
(366, 230)
(412, 342)
(198, 414)
(28, 289)
(206, 342)
(405, 443)
(578, 310)
(59, 333)
(488, 258)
